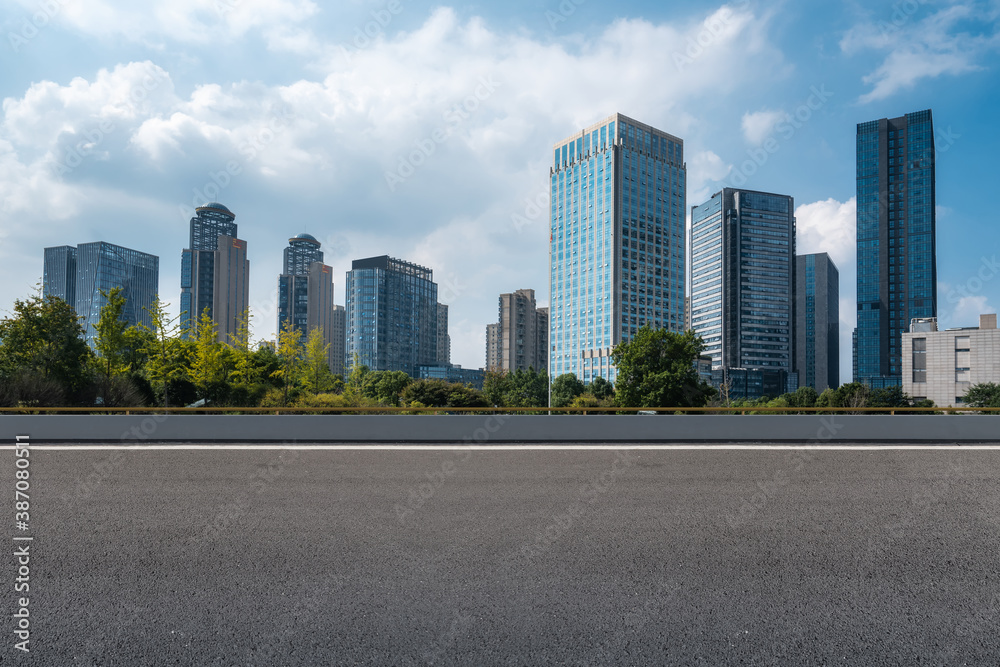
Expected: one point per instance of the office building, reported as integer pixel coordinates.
(493, 346)
(943, 365)
(305, 296)
(443, 339)
(391, 315)
(215, 272)
(451, 373)
(742, 284)
(59, 273)
(91, 268)
(617, 242)
(897, 269)
(519, 341)
(817, 321)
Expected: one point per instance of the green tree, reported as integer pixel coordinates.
(317, 377)
(441, 394)
(828, 399)
(43, 344)
(385, 386)
(601, 389)
(207, 371)
(656, 369)
(983, 395)
(520, 389)
(805, 397)
(290, 354)
(165, 352)
(565, 388)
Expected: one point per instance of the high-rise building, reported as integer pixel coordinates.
(616, 242)
(742, 281)
(391, 315)
(493, 346)
(817, 321)
(519, 341)
(215, 272)
(91, 268)
(59, 273)
(443, 339)
(897, 267)
(305, 296)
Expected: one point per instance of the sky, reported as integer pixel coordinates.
(424, 130)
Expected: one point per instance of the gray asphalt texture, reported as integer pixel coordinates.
(510, 558)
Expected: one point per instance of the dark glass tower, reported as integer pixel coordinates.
(897, 268)
(616, 243)
(742, 282)
(391, 315)
(59, 273)
(305, 296)
(817, 321)
(79, 275)
(214, 271)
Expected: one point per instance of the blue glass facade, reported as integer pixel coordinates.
(817, 321)
(104, 266)
(59, 273)
(617, 242)
(743, 281)
(198, 261)
(896, 224)
(293, 283)
(391, 315)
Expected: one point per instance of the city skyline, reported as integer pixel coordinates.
(126, 123)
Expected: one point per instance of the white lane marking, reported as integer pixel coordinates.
(508, 448)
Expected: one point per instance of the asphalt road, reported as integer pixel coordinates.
(509, 558)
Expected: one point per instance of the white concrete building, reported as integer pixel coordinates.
(943, 365)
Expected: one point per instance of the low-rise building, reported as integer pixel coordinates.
(943, 365)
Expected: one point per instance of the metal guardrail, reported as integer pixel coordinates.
(484, 411)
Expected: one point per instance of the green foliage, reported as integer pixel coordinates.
(601, 389)
(111, 342)
(384, 386)
(828, 399)
(983, 395)
(317, 377)
(520, 389)
(589, 400)
(42, 346)
(207, 371)
(805, 397)
(441, 394)
(290, 356)
(656, 369)
(565, 389)
(165, 352)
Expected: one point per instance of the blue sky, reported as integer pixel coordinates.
(423, 130)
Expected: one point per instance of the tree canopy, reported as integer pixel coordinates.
(656, 369)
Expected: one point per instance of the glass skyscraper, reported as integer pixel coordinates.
(215, 271)
(897, 267)
(817, 321)
(59, 273)
(392, 311)
(742, 281)
(103, 266)
(305, 296)
(616, 242)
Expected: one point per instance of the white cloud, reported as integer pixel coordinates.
(313, 155)
(967, 311)
(924, 48)
(704, 168)
(757, 126)
(828, 226)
